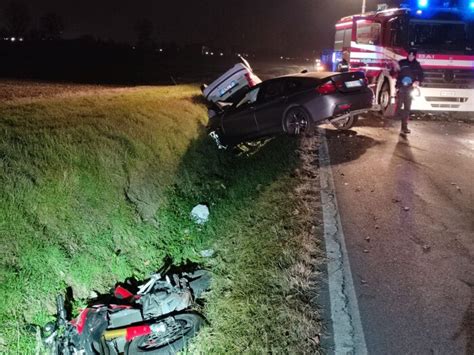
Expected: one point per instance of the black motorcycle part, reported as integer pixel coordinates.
(95, 324)
(199, 281)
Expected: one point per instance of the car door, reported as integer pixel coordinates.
(239, 122)
(270, 105)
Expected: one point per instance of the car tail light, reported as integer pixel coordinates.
(251, 79)
(339, 84)
(326, 88)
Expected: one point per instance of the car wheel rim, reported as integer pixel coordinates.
(296, 122)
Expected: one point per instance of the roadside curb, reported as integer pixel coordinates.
(346, 323)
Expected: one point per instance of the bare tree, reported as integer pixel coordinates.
(17, 18)
(51, 26)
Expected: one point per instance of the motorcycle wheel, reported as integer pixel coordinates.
(187, 324)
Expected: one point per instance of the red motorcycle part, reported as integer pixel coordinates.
(80, 321)
(137, 331)
(122, 293)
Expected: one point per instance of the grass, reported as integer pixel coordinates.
(97, 188)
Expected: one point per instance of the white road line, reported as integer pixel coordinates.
(347, 327)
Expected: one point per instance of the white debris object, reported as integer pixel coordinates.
(200, 214)
(208, 253)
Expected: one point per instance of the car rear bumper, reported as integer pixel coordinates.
(326, 107)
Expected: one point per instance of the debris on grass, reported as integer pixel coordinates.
(200, 214)
(208, 253)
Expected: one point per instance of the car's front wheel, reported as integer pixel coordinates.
(296, 121)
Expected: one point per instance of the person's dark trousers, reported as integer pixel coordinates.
(404, 105)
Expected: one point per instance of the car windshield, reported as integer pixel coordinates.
(441, 35)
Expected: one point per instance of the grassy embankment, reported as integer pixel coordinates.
(98, 188)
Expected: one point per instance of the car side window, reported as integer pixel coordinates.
(272, 90)
(293, 86)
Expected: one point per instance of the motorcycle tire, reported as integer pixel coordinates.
(189, 324)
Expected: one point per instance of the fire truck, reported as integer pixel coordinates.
(442, 32)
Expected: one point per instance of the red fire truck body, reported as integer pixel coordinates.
(443, 39)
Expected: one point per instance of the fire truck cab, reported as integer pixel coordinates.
(443, 34)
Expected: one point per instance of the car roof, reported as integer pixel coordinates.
(312, 75)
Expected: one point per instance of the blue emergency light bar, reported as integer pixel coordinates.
(423, 4)
(440, 5)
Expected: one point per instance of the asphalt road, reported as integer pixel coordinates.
(407, 211)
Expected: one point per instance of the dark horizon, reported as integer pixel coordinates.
(296, 27)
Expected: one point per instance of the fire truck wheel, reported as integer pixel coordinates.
(384, 98)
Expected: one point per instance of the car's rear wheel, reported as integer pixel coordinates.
(346, 123)
(296, 121)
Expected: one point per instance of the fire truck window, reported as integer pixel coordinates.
(347, 37)
(440, 35)
(368, 33)
(339, 40)
(395, 32)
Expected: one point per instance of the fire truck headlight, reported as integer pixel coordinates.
(415, 93)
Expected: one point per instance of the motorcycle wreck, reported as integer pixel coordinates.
(156, 317)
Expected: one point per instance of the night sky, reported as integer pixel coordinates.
(292, 25)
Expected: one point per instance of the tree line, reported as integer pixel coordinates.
(17, 22)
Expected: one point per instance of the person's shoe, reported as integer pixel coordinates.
(405, 130)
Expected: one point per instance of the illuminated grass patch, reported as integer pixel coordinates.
(98, 188)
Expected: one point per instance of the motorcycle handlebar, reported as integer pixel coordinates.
(61, 310)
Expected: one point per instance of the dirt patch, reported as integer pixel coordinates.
(14, 90)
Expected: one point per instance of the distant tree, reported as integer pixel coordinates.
(51, 26)
(17, 18)
(144, 30)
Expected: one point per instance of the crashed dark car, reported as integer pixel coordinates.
(291, 104)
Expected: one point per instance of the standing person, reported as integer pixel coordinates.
(344, 64)
(409, 77)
